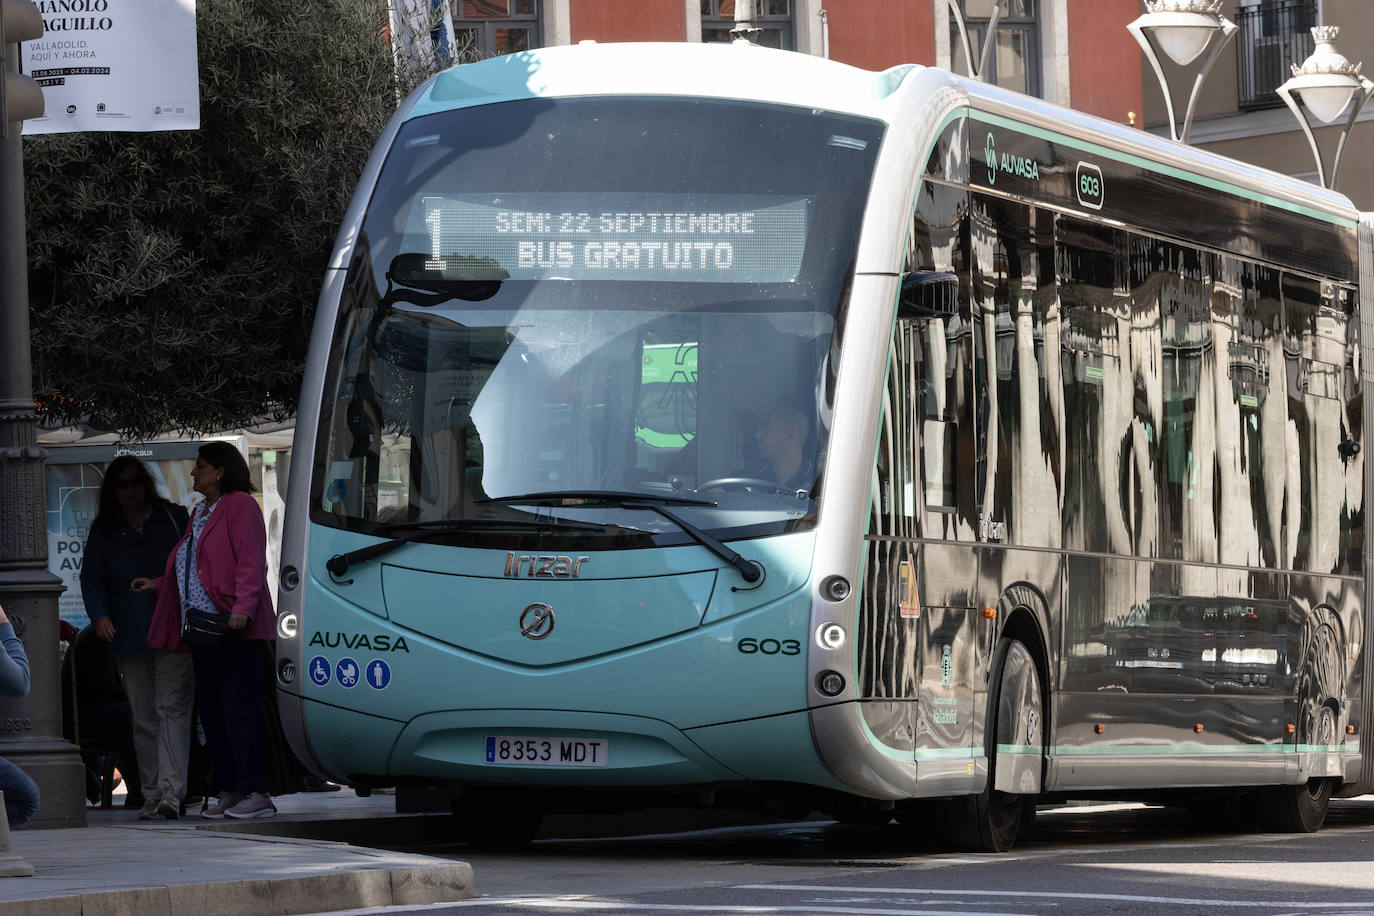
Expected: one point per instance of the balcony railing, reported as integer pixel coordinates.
(1272, 36)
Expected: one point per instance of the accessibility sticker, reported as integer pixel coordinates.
(347, 672)
(378, 674)
(320, 671)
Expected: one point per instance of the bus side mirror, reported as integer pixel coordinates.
(928, 295)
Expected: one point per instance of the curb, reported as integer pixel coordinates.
(405, 830)
(343, 890)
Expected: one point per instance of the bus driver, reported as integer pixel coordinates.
(781, 439)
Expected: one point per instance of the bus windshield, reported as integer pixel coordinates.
(639, 296)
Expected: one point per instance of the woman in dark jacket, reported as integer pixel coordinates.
(135, 530)
(221, 567)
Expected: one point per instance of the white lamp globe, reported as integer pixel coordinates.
(1182, 28)
(1327, 103)
(1326, 81)
(1183, 36)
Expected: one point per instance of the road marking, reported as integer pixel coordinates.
(1121, 898)
(580, 903)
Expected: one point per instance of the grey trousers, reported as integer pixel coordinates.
(161, 686)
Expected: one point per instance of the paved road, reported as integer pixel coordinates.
(1077, 862)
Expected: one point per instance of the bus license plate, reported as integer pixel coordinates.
(523, 750)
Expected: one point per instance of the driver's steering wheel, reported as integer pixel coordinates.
(747, 484)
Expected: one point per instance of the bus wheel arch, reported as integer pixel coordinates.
(1025, 618)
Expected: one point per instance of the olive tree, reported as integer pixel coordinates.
(173, 275)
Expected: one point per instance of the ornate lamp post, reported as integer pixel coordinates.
(31, 727)
(1327, 84)
(745, 32)
(1184, 30)
(979, 72)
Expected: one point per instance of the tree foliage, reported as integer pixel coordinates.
(173, 275)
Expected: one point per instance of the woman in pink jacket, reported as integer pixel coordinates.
(226, 547)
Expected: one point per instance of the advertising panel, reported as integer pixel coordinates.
(72, 485)
(114, 65)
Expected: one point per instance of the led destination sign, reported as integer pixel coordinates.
(701, 239)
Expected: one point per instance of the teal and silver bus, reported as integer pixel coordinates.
(719, 425)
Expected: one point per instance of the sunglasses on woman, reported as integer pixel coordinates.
(123, 483)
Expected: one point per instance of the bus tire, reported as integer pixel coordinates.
(1296, 809)
(991, 820)
(496, 821)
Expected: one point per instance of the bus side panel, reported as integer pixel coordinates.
(1363, 674)
(1160, 671)
(918, 628)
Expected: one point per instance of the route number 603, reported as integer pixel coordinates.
(750, 646)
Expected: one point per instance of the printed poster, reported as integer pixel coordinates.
(72, 484)
(114, 65)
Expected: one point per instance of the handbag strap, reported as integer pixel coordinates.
(171, 517)
(190, 559)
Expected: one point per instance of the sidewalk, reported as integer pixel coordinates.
(118, 864)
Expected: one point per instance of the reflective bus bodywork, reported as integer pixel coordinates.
(855, 438)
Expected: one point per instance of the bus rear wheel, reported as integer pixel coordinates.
(1296, 809)
(496, 820)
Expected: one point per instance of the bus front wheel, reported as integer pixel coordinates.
(991, 820)
(496, 820)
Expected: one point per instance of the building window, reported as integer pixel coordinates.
(774, 17)
(1273, 34)
(1015, 60)
(492, 27)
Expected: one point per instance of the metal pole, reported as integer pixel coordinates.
(745, 32)
(31, 727)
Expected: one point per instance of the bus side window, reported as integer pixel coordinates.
(1020, 416)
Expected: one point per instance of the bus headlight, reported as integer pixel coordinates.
(287, 626)
(830, 636)
(290, 578)
(836, 588)
(286, 672)
(830, 683)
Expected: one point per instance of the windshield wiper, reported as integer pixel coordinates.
(339, 563)
(649, 501)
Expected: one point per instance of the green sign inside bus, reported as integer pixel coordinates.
(667, 414)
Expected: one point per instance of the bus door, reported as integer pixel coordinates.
(919, 622)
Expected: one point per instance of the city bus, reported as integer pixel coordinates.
(715, 425)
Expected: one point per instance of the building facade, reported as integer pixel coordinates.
(1075, 53)
(1240, 115)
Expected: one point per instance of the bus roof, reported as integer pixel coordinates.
(713, 70)
(1154, 152)
(753, 73)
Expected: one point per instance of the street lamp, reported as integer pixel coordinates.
(1184, 30)
(1327, 84)
(980, 73)
(745, 31)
